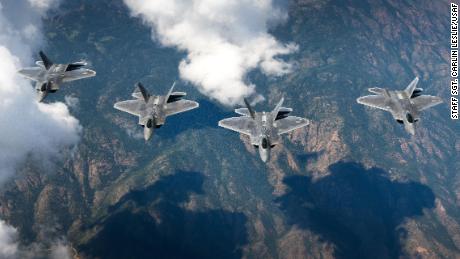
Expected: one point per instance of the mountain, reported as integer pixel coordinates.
(352, 184)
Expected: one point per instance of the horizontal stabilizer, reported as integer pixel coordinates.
(82, 63)
(243, 111)
(376, 90)
(39, 63)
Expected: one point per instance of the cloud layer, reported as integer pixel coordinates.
(224, 40)
(8, 237)
(27, 127)
(10, 248)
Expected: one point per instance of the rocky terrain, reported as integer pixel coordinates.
(352, 184)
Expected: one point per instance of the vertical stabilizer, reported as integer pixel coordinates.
(277, 108)
(46, 61)
(143, 91)
(251, 111)
(170, 92)
(411, 87)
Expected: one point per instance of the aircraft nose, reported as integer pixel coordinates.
(410, 128)
(412, 131)
(41, 95)
(148, 132)
(264, 154)
(264, 158)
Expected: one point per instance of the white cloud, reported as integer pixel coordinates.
(72, 102)
(224, 40)
(60, 250)
(8, 241)
(10, 248)
(43, 5)
(26, 126)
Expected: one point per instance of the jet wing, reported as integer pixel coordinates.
(376, 101)
(242, 125)
(290, 123)
(78, 74)
(179, 106)
(31, 72)
(425, 101)
(133, 107)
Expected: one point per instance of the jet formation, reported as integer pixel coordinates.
(152, 110)
(264, 128)
(49, 76)
(405, 106)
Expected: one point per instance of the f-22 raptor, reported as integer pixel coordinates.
(49, 76)
(264, 128)
(405, 106)
(152, 110)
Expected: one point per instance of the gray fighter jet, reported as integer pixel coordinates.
(405, 106)
(49, 76)
(264, 128)
(152, 110)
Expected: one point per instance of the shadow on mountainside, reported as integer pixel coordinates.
(151, 223)
(305, 158)
(358, 210)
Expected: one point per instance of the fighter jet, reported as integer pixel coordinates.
(49, 76)
(405, 106)
(152, 110)
(264, 128)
